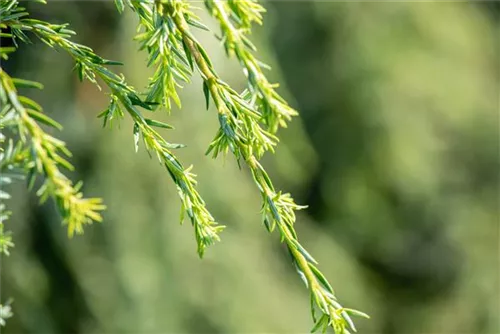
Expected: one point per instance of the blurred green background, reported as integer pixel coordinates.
(395, 152)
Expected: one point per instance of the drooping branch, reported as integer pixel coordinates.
(124, 99)
(274, 109)
(45, 154)
(241, 133)
(247, 123)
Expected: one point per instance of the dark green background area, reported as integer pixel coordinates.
(396, 152)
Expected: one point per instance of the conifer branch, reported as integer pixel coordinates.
(13, 160)
(247, 124)
(163, 43)
(238, 132)
(246, 12)
(234, 19)
(124, 98)
(46, 154)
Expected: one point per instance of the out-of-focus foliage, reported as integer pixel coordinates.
(397, 155)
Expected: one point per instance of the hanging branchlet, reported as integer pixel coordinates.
(46, 155)
(238, 132)
(163, 43)
(239, 120)
(13, 162)
(278, 211)
(244, 13)
(5, 236)
(206, 229)
(124, 99)
(234, 19)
